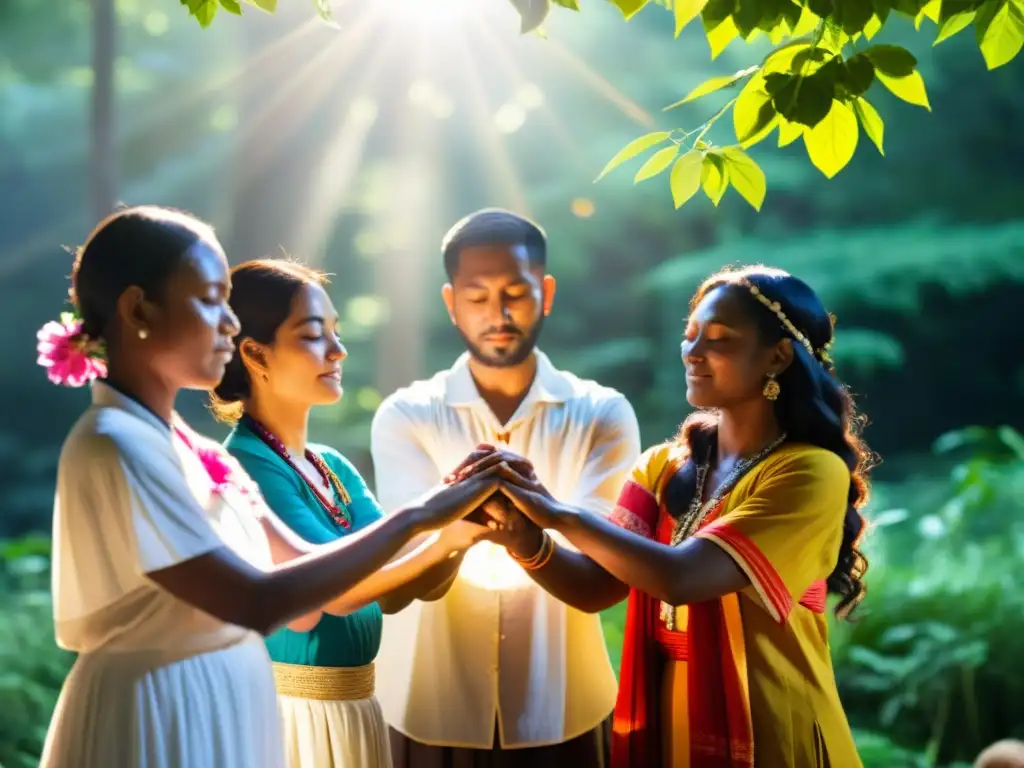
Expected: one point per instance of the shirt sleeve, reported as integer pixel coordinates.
(283, 493)
(162, 518)
(403, 469)
(786, 534)
(364, 507)
(637, 506)
(613, 455)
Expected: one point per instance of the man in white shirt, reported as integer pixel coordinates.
(499, 671)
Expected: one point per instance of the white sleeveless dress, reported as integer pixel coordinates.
(158, 683)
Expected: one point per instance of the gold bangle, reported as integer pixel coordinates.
(547, 556)
(528, 561)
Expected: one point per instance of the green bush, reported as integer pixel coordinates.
(32, 668)
(934, 662)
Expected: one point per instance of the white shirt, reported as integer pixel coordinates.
(497, 645)
(131, 499)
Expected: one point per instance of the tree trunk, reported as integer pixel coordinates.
(103, 125)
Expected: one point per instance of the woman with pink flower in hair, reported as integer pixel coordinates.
(163, 566)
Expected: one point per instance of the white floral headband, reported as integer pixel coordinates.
(823, 354)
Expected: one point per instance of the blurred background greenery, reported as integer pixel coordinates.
(356, 149)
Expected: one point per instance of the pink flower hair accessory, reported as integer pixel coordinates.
(70, 357)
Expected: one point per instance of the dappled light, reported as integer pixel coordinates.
(871, 148)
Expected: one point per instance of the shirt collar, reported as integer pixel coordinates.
(105, 395)
(550, 385)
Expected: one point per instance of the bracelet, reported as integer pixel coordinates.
(550, 553)
(544, 553)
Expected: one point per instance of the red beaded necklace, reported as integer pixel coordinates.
(338, 512)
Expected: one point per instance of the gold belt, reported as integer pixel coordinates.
(324, 683)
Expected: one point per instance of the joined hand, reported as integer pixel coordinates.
(522, 502)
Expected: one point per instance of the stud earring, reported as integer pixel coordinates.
(771, 388)
(143, 333)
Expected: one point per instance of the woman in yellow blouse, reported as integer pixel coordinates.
(728, 540)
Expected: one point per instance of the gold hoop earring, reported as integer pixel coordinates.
(771, 388)
(143, 334)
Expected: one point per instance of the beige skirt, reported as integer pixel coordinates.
(330, 717)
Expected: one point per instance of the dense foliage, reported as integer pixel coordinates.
(813, 86)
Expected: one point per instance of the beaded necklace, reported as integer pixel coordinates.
(338, 512)
(699, 509)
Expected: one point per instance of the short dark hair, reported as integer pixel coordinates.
(494, 226)
(141, 246)
(262, 291)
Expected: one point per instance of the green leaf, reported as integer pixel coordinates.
(532, 14)
(685, 177)
(952, 24)
(1000, 31)
(753, 115)
(781, 59)
(204, 11)
(831, 143)
(856, 75)
(891, 60)
(712, 85)
(634, 148)
(872, 27)
(930, 10)
(572, 5)
(264, 5)
(686, 11)
(656, 163)
(325, 12)
(789, 132)
(853, 15)
(629, 8)
(720, 37)
(910, 88)
(714, 177)
(807, 24)
(231, 6)
(745, 175)
(805, 100)
(871, 122)
(748, 15)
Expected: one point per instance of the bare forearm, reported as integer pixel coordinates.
(432, 584)
(654, 568)
(397, 583)
(332, 574)
(573, 578)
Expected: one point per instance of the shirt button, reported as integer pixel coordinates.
(501, 637)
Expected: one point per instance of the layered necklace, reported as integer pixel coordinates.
(698, 511)
(338, 512)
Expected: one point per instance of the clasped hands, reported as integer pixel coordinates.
(516, 512)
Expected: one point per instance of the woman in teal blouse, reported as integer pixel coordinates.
(289, 360)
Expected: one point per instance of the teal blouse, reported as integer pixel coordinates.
(337, 641)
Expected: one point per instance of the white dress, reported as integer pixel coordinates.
(158, 683)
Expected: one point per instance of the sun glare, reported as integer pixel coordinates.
(435, 14)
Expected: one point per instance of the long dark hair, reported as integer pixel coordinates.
(813, 407)
(262, 291)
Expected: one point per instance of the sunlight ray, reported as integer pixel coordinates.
(597, 82)
(341, 160)
(219, 83)
(497, 163)
(276, 118)
(554, 125)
